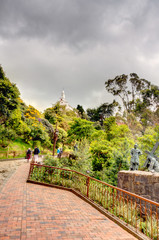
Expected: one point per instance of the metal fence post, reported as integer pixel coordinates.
(88, 186)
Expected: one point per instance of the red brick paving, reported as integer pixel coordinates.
(35, 212)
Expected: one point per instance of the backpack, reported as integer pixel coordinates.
(36, 151)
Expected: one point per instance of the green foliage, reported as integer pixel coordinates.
(109, 124)
(79, 161)
(80, 110)
(138, 96)
(115, 131)
(147, 142)
(98, 135)
(104, 142)
(108, 158)
(32, 113)
(51, 161)
(93, 114)
(97, 125)
(83, 161)
(100, 154)
(62, 137)
(145, 113)
(59, 114)
(15, 118)
(70, 114)
(50, 115)
(121, 131)
(19, 145)
(48, 127)
(135, 126)
(110, 151)
(150, 96)
(23, 130)
(127, 89)
(80, 129)
(103, 111)
(6, 134)
(119, 161)
(38, 133)
(9, 97)
(2, 74)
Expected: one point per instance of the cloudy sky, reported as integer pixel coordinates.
(76, 45)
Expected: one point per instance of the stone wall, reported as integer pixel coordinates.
(145, 184)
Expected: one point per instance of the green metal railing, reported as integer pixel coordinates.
(139, 212)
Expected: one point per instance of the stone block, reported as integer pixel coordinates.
(142, 183)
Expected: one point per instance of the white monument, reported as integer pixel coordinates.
(63, 102)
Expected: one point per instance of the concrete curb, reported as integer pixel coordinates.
(12, 159)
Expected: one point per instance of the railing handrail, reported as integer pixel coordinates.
(107, 184)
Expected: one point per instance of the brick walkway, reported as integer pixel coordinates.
(35, 212)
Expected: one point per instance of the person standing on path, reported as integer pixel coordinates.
(28, 154)
(36, 152)
(58, 152)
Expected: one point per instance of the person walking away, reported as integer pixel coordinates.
(36, 152)
(58, 152)
(28, 154)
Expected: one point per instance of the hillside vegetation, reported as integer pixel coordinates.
(103, 136)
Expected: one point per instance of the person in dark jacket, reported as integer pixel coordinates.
(28, 154)
(36, 152)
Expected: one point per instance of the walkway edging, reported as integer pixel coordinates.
(121, 223)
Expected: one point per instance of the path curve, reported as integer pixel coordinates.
(34, 212)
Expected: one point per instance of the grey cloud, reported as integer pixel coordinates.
(76, 23)
(76, 45)
(62, 21)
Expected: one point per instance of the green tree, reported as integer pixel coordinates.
(146, 108)
(106, 110)
(110, 156)
(2, 74)
(109, 125)
(118, 162)
(59, 114)
(6, 134)
(101, 112)
(62, 137)
(38, 133)
(147, 141)
(32, 113)
(150, 97)
(48, 126)
(100, 154)
(127, 89)
(80, 110)
(9, 97)
(80, 129)
(50, 115)
(93, 114)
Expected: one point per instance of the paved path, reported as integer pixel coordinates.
(7, 168)
(34, 212)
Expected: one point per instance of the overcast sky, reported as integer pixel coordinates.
(47, 46)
